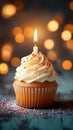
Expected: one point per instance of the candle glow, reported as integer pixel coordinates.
(35, 36)
(35, 48)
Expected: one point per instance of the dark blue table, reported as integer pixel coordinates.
(57, 117)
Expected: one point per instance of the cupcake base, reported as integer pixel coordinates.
(35, 95)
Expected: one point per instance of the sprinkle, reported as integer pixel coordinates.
(9, 107)
(24, 59)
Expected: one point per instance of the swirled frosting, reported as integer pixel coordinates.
(35, 67)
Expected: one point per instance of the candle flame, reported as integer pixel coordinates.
(35, 36)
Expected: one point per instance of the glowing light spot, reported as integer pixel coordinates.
(15, 61)
(6, 55)
(71, 5)
(58, 18)
(19, 38)
(4, 68)
(6, 52)
(69, 27)
(53, 26)
(52, 55)
(67, 64)
(28, 32)
(18, 4)
(8, 10)
(16, 30)
(69, 44)
(49, 44)
(66, 35)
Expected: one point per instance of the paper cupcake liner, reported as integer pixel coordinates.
(34, 97)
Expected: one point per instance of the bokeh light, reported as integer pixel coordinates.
(8, 10)
(19, 38)
(52, 26)
(18, 4)
(66, 35)
(69, 44)
(66, 64)
(28, 32)
(71, 5)
(69, 27)
(58, 18)
(52, 55)
(4, 68)
(49, 44)
(16, 30)
(15, 61)
(6, 52)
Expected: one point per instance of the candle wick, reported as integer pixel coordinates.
(35, 43)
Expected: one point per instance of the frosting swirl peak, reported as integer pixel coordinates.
(35, 67)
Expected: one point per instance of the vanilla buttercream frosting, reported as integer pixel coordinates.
(35, 68)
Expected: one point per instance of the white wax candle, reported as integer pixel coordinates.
(35, 49)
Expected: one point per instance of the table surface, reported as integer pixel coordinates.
(57, 117)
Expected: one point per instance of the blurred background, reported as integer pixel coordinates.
(54, 22)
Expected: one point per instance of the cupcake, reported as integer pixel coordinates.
(35, 81)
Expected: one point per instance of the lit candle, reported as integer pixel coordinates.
(35, 48)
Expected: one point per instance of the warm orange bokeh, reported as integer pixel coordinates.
(69, 44)
(49, 44)
(52, 55)
(15, 61)
(66, 64)
(16, 30)
(71, 5)
(19, 4)
(6, 52)
(19, 38)
(58, 18)
(4, 68)
(66, 35)
(28, 32)
(52, 26)
(69, 27)
(8, 10)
